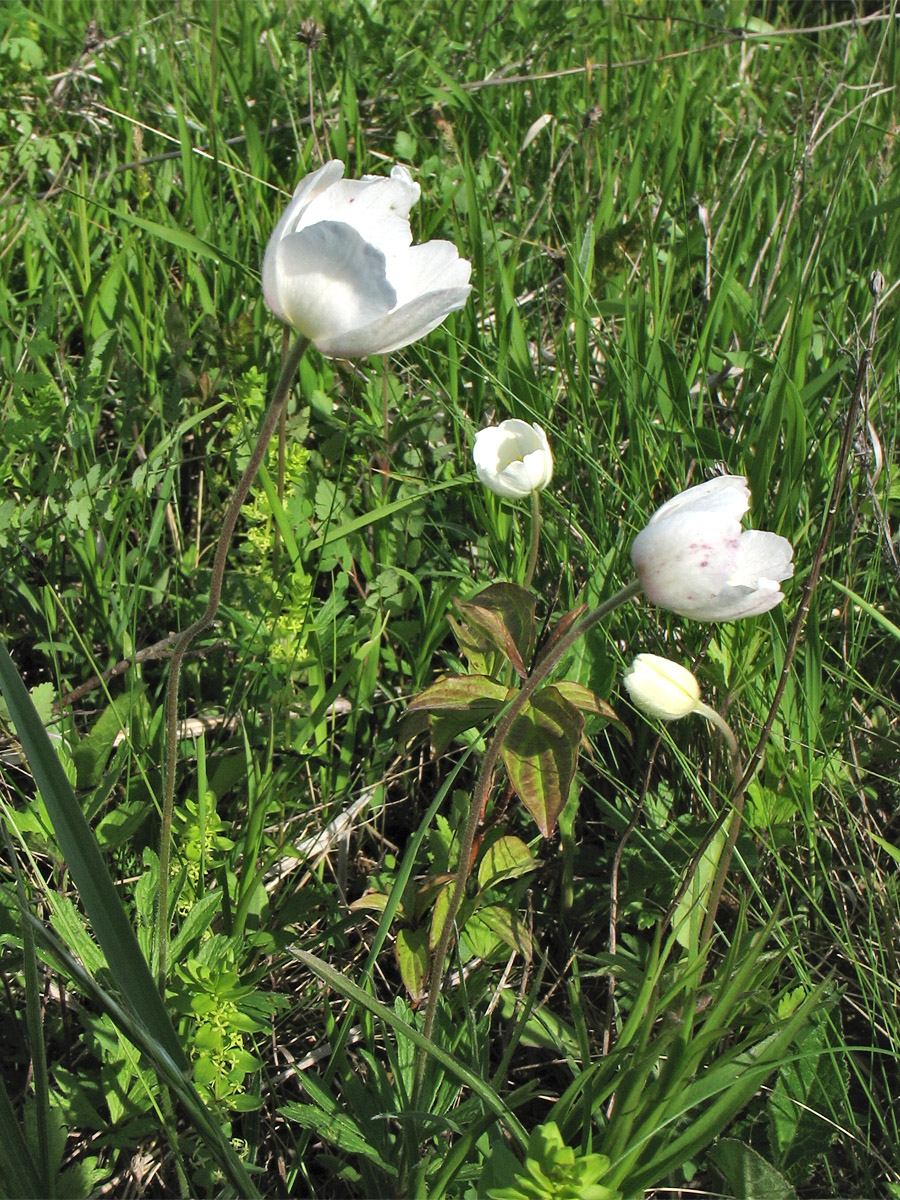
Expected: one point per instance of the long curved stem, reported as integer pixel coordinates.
(270, 422)
(482, 791)
(535, 537)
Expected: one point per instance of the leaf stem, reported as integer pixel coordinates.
(270, 422)
(480, 796)
(535, 537)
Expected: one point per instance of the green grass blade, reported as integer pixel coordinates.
(19, 1176)
(379, 514)
(352, 991)
(878, 617)
(33, 1006)
(106, 914)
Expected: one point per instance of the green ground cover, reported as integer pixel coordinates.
(674, 214)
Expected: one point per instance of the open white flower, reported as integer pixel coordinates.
(694, 558)
(341, 268)
(661, 688)
(513, 458)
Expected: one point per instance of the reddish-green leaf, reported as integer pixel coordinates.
(478, 940)
(442, 907)
(585, 700)
(429, 891)
(373, 901)
(411, 724)
(475, 647)
(565, 622)
(447, 727)
(461, 693)
(507, 926)
(456, 704)
(439, 913)
(540, 753)
(504, 614)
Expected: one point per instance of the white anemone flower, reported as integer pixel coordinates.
(513, 458)
(694, 558)
(340, 266)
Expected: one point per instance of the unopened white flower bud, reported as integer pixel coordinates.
(661, 688)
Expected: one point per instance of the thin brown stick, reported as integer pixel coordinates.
(160, 649)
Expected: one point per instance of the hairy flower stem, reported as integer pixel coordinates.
(480, 797)
(270, 423)
(535, 537)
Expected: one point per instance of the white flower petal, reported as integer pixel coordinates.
(330, 280)
(689, 555)
(762, 554)
(397, 328)
(735, 603)
(378, 209)
(306, 190)
(431, 267)
(513, 458)
(723, 497)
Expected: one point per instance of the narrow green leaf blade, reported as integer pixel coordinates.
(19, 1177)
(79, 847)
(351, 991)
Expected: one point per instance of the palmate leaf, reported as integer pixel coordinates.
(540, 753)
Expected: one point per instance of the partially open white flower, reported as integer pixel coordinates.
(661, 688)
(341, 268)
(513, 458)
(694, 558)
